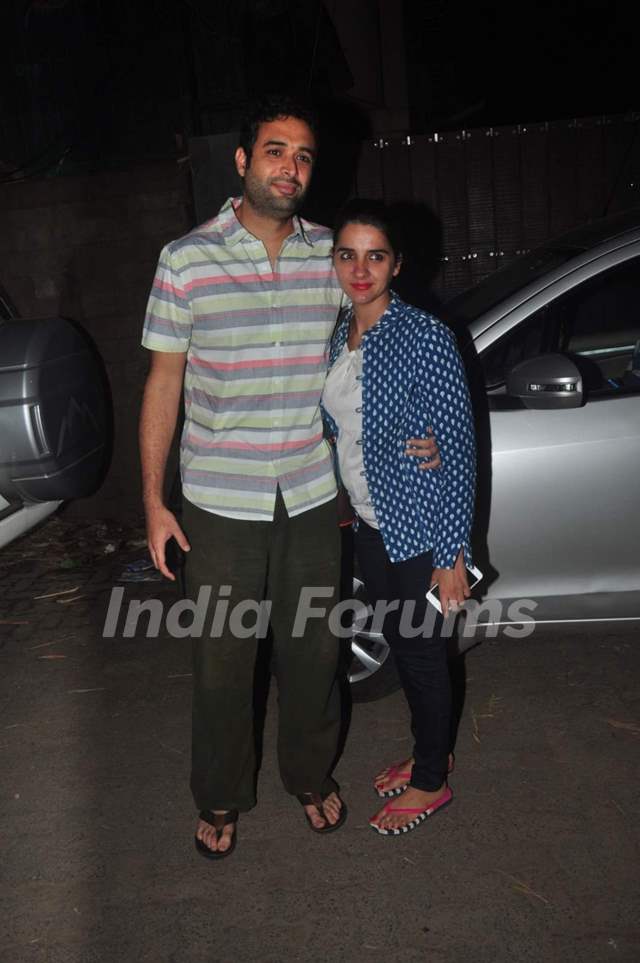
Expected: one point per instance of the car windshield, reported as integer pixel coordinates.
(503, 283)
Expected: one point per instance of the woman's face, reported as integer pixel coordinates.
(365, 263)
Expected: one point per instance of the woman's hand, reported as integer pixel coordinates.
(453, 584)
(424, 448)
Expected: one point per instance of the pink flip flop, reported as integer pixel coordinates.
(420, 814)
(395, 771)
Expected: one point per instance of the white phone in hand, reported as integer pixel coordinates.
(473, 577)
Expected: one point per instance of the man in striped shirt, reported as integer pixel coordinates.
(240, 315)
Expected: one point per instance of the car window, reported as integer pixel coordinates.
(507, 281)
(600, 322)
(597, 323)
(527, 340)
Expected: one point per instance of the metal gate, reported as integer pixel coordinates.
(499, 191)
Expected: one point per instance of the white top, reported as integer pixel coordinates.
(342, 398)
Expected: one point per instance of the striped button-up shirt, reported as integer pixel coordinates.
(256, 339)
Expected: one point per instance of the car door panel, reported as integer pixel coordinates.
(564, 502)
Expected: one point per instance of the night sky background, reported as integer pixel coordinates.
(89, 85)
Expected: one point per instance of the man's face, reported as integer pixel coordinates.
(278, 175)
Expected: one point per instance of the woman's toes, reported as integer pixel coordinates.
(380, 819)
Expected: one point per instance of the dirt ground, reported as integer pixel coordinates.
(537, 858)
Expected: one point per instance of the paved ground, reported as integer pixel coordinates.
(537, 858)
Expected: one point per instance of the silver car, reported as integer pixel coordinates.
(553, 351)
(55, 418)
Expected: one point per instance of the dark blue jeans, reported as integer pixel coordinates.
(422, 662)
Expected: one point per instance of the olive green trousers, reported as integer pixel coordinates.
(245, 563)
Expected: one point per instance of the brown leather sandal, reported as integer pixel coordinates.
(317, 800)
(218, 821)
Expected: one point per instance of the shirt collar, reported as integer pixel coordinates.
(388, 317)
(235, 233)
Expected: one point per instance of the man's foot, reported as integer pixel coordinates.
(323, 813)
(216, 832)
(417, 801)
(394, 779)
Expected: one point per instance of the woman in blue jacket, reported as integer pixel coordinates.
(395, 373)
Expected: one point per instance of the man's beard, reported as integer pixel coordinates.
(263, 200)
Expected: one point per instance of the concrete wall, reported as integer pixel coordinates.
(86, 248)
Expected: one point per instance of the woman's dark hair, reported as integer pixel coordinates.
(362, 210)
(269, 108)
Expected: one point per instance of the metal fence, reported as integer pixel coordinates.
(499, 191)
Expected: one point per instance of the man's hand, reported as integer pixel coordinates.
(424, 448)
(161, 526)
(453, 584)
(157, 425)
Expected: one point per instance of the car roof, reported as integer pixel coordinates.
(483, 304)
(601, 230)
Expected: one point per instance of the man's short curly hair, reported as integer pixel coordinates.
(270, 108)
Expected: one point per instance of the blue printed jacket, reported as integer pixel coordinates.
(412, 379)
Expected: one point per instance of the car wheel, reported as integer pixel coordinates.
(372, 671)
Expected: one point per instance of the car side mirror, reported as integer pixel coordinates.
(548, 381)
